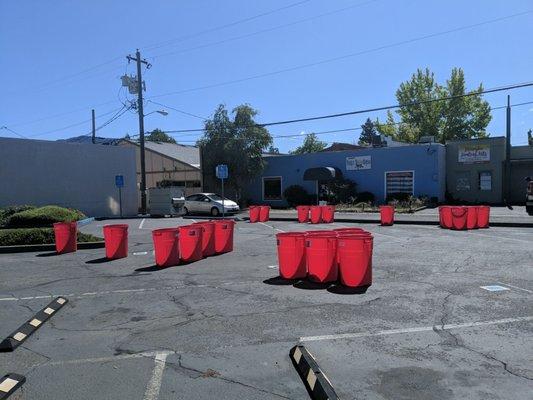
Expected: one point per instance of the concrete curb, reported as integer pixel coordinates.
(9, 384)
(19, 336)
(316, 382)
(28, 248)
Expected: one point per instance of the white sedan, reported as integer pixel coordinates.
(209, 203)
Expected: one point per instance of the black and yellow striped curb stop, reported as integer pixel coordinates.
(316, 382)
(29, 327)
(9, 384)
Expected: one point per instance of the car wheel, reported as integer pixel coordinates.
(185, 211)
(215, 212)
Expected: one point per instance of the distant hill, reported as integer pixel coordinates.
(88, 139)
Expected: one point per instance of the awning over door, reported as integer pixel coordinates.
(321, 174)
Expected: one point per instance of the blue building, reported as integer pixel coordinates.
(418, 169)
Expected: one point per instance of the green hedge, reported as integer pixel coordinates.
(16, 237)
(42, 217)
(7, 212)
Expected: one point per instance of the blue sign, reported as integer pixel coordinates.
(119, 181)
(222, 171)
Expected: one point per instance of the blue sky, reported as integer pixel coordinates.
(60, 59)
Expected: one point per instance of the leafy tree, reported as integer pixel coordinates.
(425, 112)
(273, 150)
(341, 190)
(530, 137)
(311, 144)
(369, 135)
(239, 144)
(157, 135)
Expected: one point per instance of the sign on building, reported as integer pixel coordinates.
(358, 163)
(474, 153)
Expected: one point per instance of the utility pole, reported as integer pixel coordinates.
(94, 127)
(140, 111)
(507, 185)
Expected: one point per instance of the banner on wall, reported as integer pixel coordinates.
(358, 163)
(472, 153)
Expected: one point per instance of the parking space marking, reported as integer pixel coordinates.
(414, 329)
(271, 227)
(515, 287)
(99, 359)
(154, 385)
(142, 223)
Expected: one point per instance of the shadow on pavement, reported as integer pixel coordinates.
(307, 285)
(50, 254)
(279, 281)
(100, 260)
(151, 268)
(339, 289)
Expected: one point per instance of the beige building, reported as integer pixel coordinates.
(168, 164)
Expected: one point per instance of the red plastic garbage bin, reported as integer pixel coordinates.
(471, 217)
(66, 237)
(291, 255)
(166, 247)
(315, 214)
(208, 238)
(116, 241)
(264, 213)
(483, 216)
(445, 217)
(387, 215)
(328, 214)
(349, 230)
(254, 212)
(190, 242)
(355, 259)
(459, 215)
(224, 236)
(303, 214)
(321, 257)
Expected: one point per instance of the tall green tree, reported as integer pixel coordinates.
(157, 135)
(369, 135)
(427, 110)
(530, 137)
(238, 143)
(311, 144)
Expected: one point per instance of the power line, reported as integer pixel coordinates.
(14, 132)
(220, 27)
(346, 56)
(301, 21)
(178, 110)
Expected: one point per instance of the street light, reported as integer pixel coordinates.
(162, 112)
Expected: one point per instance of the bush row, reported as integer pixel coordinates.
(37, 217)
(22, 236)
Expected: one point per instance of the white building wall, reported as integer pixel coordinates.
(80, 176)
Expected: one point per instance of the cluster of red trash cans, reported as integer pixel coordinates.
(464, 217)
(259, 213)
(341, 255)
(316, 214)
(171, 245)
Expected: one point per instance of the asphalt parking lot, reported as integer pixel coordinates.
(223, 327)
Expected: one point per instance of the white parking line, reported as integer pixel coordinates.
(142, 223)
(414, 330)
(99, 359)
(271, 227)
(515, 287)
(154, 385)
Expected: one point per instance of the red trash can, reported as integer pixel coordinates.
(116, 241)
(471, 217)
(355, 259)
(303, 214)
(190, 242)
(291, 255)
(459, 216)
(166, 246)
(349, 230)
(321, 257)
(328, 214)
(254, 213)
(224, 235)
(387, 215)
(208, 238)
(315, 214)
(264, 213)
(66, 237)
(483, 216)
(445, 217)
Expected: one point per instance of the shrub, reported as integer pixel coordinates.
(43, 217)
(401, 197)
(7, 212)
(341, 190)
(22, 236)
(366, 197)
(296, 196)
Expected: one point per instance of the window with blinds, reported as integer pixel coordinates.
(399, 182)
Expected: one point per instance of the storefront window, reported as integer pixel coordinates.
(272, 188)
